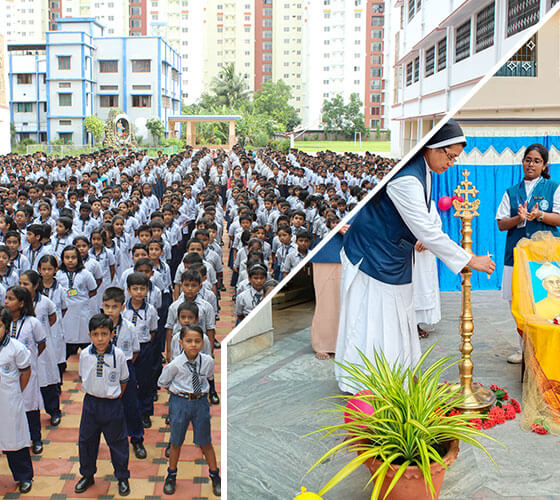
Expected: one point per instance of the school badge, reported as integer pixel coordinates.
(6, 368)
(543, 205)
(126, 345)
(112, 377)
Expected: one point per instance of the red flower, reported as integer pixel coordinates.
(509, 411)
(498, 415)
(539, 429)
(515, 405)
(454, 412)
(476, 423)
(489, 423)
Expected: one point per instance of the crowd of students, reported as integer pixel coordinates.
(119, 257)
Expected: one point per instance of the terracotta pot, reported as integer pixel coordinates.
(411, 484)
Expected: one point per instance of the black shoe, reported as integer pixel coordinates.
(217, 344)
(55, 420)
(222, 288)
(146, 422)
(25, 486)
(167, 420)
(155, 396)
(216, 485)
(169, 486)
(139, 450)
(167, 448)
(83, 484)
(124, 487)
(214, 398)
(37, 447)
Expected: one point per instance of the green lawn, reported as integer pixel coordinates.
(343, 146)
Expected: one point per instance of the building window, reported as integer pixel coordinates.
(64, 85)
(376, 59)
(376, 72)
(375, 98)
(65, 137)
(113, 87)
(430, 61)
(377, 46)
(442, 54)
(374, 122)
(377, 34)
(416, 69)
(135, 23)
(63, 62)
(463, 41)
(267, 68)
(108, 101)
(413, 7)
(135, 11)
(141, 101)
(409, 71)
(141, 65)
(521, 14)
(24, 107)
(376, 84)
(108, 66)
(377, 20)
(523, 62)
(485, 27)
(65, 123)
(375, 110)
(24, 79)
(65, 99)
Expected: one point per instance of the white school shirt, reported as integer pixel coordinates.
(14, 431)
(20, 264)
(102, 375)
(29, 331)
(153, 296)
(247, 300)
(48, 369)
(177, 375)
(9, 279)
(177, 350)
(145, 320)
(126, 338)
(76, 320)
(58, 297)
(206, 315)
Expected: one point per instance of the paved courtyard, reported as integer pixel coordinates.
(275, 399)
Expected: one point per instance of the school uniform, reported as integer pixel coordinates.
(293, 258)
(76, 286)
(126, 339)
(29, 331)
(58, 297)
(144, 320)
(49, 376)
(20, 264)
(93, 266)
(246, 301)
(102, 409)
(14, 431)
(206, 316)
(9, 279)
(59, 243)
(33, 256)
(105, 259)
(188, 402)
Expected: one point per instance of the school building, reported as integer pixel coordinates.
(443, 53)
(78, 72)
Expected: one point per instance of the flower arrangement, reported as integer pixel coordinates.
(505, 408)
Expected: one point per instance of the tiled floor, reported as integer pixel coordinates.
(57, 469)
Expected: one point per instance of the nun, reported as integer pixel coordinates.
(377, 310)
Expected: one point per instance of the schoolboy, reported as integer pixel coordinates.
(144, 318)
(186, 378)
(35, 250)
(247, 300)
(295, 256)
(104, 375)
(125, 338)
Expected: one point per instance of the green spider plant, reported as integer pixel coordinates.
(409, 425)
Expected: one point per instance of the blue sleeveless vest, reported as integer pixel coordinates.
(543, 194)
(379, 239)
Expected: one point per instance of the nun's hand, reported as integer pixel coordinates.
(419, 247)
(344, 228)
(482, 263)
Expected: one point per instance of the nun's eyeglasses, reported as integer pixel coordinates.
(451, 158)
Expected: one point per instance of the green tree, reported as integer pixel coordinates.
(273, 99)
(347, 118)
(96, 127)
(227, 89)
(156, 128)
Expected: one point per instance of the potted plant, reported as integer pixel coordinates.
(409, 435)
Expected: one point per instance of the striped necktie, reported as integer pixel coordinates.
(14, 328)
(99, 366)
(197, 389)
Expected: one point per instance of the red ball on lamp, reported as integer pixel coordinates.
(445, 203)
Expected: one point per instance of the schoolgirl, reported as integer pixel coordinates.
(17, 260)
(48, 266)
(63, 236)
(106, 261)
(8, 275)
(79, 285)
(93, 266)
(49, 376)
(123, 243)
(28, 330)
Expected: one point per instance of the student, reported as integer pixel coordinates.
(35, 250)
(15, 360)
(284, 247)
(92, 265)
(8, 275)
(104, 375)
(186, 378)
(246, 301)
(79, 286)
(294, 257)
(18, 261)
(105, 259)
(48, 267)
(126, 338)
(49, 376)
(28, 330)
(63, 236)
(144, 318)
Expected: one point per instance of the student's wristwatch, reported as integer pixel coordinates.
(540, 217)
